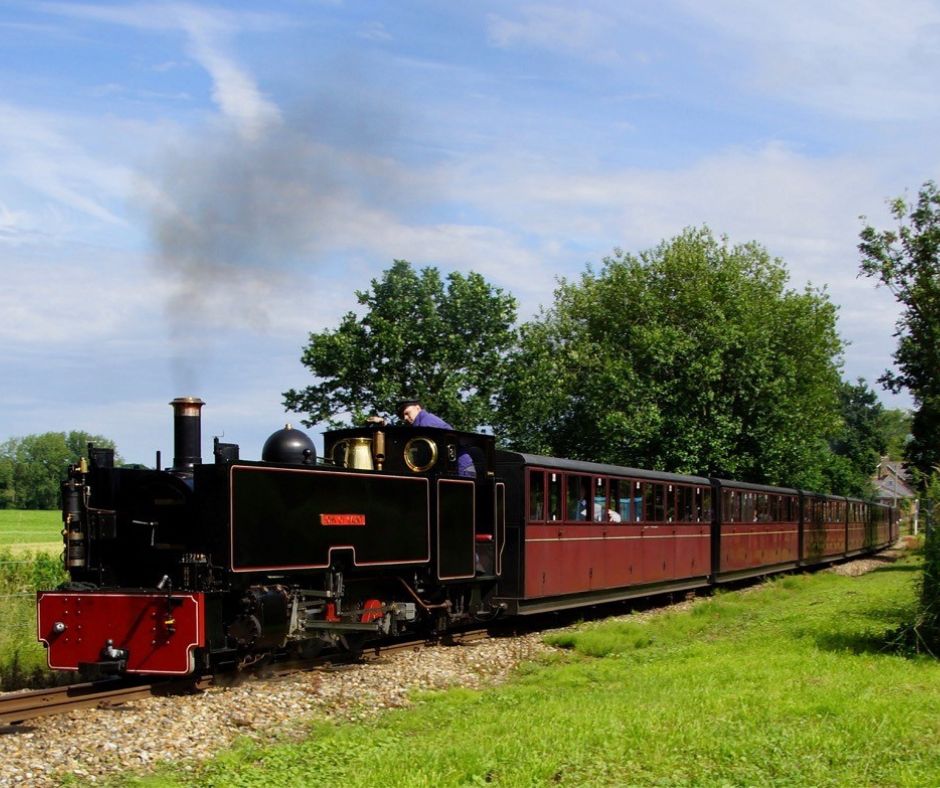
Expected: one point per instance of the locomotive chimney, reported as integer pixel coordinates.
(187, 432)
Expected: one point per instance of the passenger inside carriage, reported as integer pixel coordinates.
(579, 493)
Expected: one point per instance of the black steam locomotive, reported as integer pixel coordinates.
(203, 566)
(207, 564)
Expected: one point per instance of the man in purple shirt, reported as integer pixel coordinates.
(411, 412)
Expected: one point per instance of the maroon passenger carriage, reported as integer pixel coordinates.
(205, 566)
(581, 533)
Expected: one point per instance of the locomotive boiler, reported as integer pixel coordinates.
(211, 564)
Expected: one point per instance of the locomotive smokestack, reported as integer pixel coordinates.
(187, 432)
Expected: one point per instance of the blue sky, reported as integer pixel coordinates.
(186, 190)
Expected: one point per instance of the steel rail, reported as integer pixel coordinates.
(16, 707)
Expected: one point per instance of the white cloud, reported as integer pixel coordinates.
(38, 152)
(861, 59)
(208, 31)
(81, 299)
(573, 29)
(234, 90)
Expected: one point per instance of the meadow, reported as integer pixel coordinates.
(792, 682)
(31, 531)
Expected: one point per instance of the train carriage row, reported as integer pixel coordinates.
(206, 566)
(578, 531)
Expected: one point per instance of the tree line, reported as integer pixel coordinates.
(32, 467)
(694, 357)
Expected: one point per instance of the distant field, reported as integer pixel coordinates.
(30, 530)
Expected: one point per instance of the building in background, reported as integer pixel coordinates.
(893, 487)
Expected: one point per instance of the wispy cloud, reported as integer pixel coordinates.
(38, 152)
(571, 28)
(858, 58)
(208, 32)
(234, 90)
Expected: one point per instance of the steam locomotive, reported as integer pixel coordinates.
(208, 566)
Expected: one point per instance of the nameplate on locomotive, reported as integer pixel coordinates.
(342, 519)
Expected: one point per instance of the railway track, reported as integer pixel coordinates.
(18, 707)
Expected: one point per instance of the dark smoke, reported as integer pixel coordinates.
(233, 217)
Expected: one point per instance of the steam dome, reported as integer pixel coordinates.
(289, 446)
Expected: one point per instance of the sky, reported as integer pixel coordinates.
(187, 190)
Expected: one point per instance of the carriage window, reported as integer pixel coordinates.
(537, 495)
(763, 508)
(579, 495)
(732, 506)
(748, 514)
(654, 502)
(705, 516)
(686, 504)
(618, 501)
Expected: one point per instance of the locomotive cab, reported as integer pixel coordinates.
(409, 450)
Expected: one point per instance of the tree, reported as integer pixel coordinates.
(690, 357)
(896, 427)
(907, 261)
(859, 443)
(443, 344)
(32, 467)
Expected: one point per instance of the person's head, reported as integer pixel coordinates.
(408, 410)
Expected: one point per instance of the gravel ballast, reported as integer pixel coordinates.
(95, 743)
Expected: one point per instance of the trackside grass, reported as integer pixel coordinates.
(22, 658)
(30, 559)
(785, 684)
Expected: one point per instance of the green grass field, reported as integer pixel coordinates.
(791, 683)
(32, 531)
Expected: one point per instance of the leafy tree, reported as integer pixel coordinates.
(692, 356)
(6, 479)
(896, 428)
(907, 261)
(859, 443)
(442, 343)
(32, 467)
